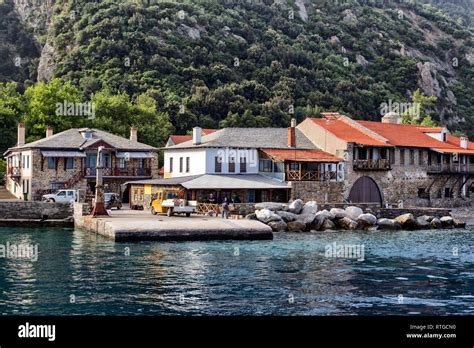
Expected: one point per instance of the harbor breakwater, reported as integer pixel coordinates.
(305, 217)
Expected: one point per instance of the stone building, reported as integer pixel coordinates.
(68, 160)
(392, 163)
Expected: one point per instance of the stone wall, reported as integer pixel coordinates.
(319, 191)
(35, 210)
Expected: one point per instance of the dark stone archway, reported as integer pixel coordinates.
(365, 190)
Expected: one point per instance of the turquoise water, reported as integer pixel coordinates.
(417, 273)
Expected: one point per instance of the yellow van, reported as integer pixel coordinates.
(168, 201)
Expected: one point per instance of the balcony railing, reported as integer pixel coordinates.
(370, 164)
(305, 175)
(14, 171)
(449, 168)
(125, 172)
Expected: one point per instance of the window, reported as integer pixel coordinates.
(61, 193)
(421, 155)
(362, 153)
(122, 163)
(51, 163)
(383, 153)
(243, 165)
(70, 193)
(26, 162)
(106, 162)
(447, 192)
(402, 157)
(265, 166)
(421, 192)
(412, 157)
(141, 163)
(181, 164)
(232, 165)
(70, 163)
(445, 137)
(392, 156)
(278, 167)
(218, 164)
(171, 164)
(294, 166)
(188, 164)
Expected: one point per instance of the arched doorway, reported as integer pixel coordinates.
(365, 190)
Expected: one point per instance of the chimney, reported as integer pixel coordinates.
(21, 134)
(463, 142)
(292, 134)
(49, 131)
(197, 133)
(392, 117)
(133, 134)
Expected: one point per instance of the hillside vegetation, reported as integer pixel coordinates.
(240, 63)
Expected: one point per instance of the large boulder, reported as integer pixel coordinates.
(367, 220)
(266, 216)
(388, 224)
(354, 212)
(347, 223)
(422, 222)
(287, 216)
(436, 223)
(310, 207)
(278, 226)
(459, 224)
(306, 219)
(325, 214)
(407, 221)
(427, 217)
(327, 225)
(296, 206)
(270, 206)
(251, 216)
(296, 226)
(447, 221)
(320, 218)
(338, 213)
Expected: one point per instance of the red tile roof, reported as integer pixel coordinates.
(397, 135)
(403, 134)
(178, 139)
(301, 155)
(347, 132)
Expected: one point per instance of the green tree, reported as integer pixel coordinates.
(44, 102)
(11, 108)
(416, 113)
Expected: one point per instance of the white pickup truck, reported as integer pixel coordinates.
(62, 196)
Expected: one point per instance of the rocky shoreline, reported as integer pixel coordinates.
(298, 216)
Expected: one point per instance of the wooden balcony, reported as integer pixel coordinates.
(14, 172)
(450, 168)
(379, 164)
(119, 172)
(305, 175)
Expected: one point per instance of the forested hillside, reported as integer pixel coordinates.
(236, 63)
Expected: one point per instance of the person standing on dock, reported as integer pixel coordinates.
(225, 208)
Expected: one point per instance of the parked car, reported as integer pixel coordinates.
(62, 196)
(168, 202)
(112, 200)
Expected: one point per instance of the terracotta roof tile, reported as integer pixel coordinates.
(346, 132)
(301, 155)
(178, 139)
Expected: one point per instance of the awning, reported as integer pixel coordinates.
(234, 182)
(302, 155)
(135, 155)
(458, 150)
(63, 154)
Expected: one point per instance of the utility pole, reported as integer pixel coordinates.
(99, 207)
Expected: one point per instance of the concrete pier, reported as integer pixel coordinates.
(132, 225)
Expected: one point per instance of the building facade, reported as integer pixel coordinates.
(67, 160)
(392, 163)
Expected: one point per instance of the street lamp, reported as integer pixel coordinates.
(99, 207)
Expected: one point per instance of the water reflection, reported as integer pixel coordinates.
(290, 275)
